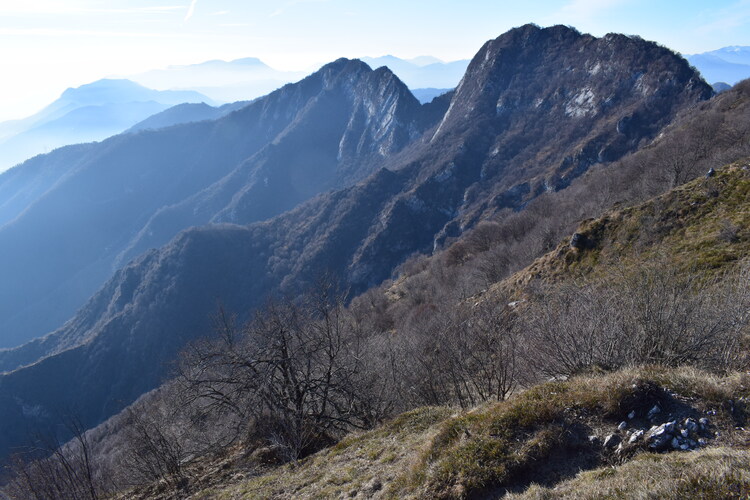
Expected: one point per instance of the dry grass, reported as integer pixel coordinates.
(702, 225)
(359, 466)
(714, 473)
(535, 442)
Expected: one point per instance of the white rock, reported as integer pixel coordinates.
(631, 415)
(659, 437)
(636, 436)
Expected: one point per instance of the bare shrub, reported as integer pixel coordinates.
(464, 355)
(154, 450)
(656, 314)
(573, 328)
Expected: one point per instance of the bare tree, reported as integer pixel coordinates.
(51, 470)
(298, 373)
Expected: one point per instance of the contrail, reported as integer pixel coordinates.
(191, 9)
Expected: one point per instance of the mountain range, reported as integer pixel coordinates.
(728, 64)
(223, 81)
(98, 110)
(91, 112)
(249, 78)
(344, 172)
(425, 72)
(252, 164)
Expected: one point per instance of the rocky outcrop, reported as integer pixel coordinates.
(658, 432)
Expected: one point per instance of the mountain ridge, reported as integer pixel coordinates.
(245, 142)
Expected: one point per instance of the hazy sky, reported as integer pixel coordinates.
(49, 45)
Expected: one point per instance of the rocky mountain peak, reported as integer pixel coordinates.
(559, 73)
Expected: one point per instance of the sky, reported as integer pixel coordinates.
(47, 46)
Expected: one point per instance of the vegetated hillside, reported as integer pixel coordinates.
(395, 338)
(91, 112)
(71, 219)
(515, 127)
(645, 269)
(712, 135)
(701, 226)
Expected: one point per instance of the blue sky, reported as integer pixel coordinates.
(49, 45)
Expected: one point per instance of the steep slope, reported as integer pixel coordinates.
(91, 112)
(374, 117)
(62, 242)
(515, 127)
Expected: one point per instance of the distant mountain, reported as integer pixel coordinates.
(224, 81)
(720, 87)
(427, 95)
(249, 78)
(186, 113)
(424, 60)
(91, 112)
(734, 54)
(422, 72)
(729, 64)
(515, 127)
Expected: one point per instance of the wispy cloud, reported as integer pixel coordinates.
(292, 3)
(35, 9)
(45, 32)
(730, 17)
(190, 10)
(220, 13)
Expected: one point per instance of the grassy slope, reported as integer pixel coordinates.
(703, 225)
(713, 473)
(539, 436)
